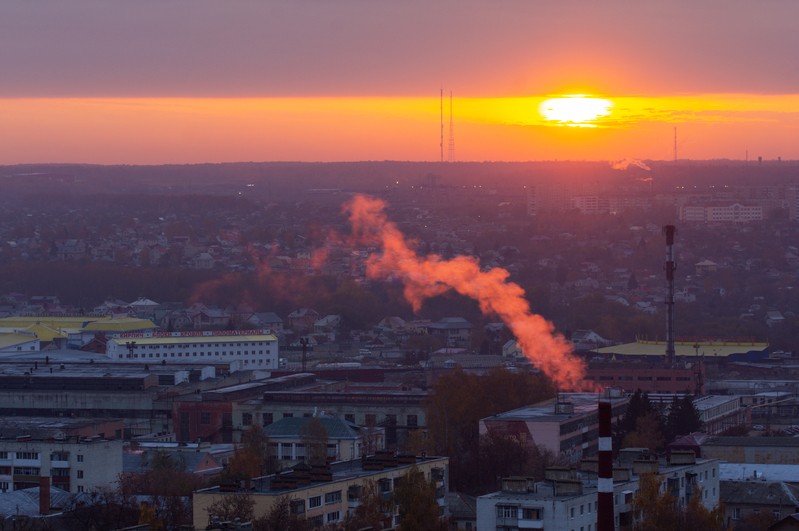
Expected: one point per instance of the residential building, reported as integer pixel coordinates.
(567, 498)
(456, 331)
(326, 494)
(567, 425)
(70, 463)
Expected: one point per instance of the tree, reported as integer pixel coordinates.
(656, 511)
(280, 518)
(231, 506)
(648, 433)
(314, 436)
(371, 512)
(251, 459)
(683, 418)
(415, 498)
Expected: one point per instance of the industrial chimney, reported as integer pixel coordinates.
(669, 231)
(604, 515)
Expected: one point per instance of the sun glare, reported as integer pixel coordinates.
(575, 110)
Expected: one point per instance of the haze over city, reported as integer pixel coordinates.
(201, 81)
(296, 265)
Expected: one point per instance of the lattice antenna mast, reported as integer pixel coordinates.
(451, 131)
(441, 108)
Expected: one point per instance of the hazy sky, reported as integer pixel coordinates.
(171, 81)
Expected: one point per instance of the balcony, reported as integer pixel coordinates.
(59, 464)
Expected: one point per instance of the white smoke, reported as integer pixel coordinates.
(624, 164)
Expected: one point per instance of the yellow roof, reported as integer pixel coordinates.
(96, 323)
(687, 348)
(9, 340)
(120, 325)
(44, 332)
(196, 339)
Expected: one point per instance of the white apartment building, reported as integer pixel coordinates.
(244, 349)
(567, 498)
(72, 464)
(729, 213)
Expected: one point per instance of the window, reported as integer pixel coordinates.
(335, 516)
(80, 488)
(205, 417)
(80, 458)
(529, 513)
(413, 421)
(246, 419)
(297, 506)
(314, 501)
(3, 455)
(27, 455)
(333, 497)
(316, 521)
(506, 511)
(80, 474)
(266, 419)
(26, 471)
(288, 415)
(571, 512)
(59, 456)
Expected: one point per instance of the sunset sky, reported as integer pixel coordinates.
(181, 81)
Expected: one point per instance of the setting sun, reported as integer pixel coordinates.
(575, 110)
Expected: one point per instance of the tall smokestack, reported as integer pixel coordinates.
(604, 515)
(669, 231)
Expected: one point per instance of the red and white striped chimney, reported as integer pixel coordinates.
(604, 517)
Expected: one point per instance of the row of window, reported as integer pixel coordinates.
(185, 346)
(192, 354)
(54, 456)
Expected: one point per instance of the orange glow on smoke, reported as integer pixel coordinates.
(428, 276)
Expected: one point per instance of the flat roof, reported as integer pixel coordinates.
(584, 403)
(706, 402)
(683, 348)
(341, 471)
(140, 341)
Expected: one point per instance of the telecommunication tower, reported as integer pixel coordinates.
(451, 131)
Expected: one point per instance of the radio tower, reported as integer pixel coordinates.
(675, 143)
(441, 142)
(451, 131)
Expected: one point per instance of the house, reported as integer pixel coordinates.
(302, 320)
(328, 326)
(588, 340)
(457, 331)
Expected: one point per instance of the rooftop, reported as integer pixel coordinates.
(584, 403)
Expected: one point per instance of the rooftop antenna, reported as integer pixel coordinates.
(451, 131)
(441, 105)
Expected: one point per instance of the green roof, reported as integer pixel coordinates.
(291, 428)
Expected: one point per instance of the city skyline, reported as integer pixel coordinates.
(186, 82)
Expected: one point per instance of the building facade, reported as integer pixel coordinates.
(241, 349)
(72, 464)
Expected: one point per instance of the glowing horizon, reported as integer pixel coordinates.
(194, 130)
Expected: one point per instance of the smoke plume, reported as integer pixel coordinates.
(425, 277)
(624, 164)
